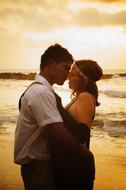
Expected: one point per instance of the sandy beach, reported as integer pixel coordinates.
(109, 157)
(108, 136)
(10, 178)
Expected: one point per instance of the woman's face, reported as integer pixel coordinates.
(75, 80)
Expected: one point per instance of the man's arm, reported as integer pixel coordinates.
(59, 135)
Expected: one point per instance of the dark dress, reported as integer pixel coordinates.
(72, 171)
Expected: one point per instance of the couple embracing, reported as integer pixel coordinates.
(52, 142)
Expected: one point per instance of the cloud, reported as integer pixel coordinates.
(106, 1)
(27, 26)
(20, 16)
(34, 15)
(93, 17)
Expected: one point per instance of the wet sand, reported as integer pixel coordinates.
(9, 172)
(110, 158)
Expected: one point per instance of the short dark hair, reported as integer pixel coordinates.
(56, 53)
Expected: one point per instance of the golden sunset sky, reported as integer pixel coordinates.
(90, 29)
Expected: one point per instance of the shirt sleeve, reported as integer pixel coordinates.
(44, 109)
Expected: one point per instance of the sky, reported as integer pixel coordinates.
(89, 29)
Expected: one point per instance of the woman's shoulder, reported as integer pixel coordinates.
(85, 95)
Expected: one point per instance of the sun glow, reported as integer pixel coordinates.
(88, 29)
(36, 36)
(108, 8)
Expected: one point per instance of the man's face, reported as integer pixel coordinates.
(61, 72)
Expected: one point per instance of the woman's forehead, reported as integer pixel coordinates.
(73, 67)
(74, 70)
(77, 71)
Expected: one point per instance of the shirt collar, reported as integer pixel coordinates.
(41, 79)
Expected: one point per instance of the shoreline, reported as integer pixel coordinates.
(109, 159)
(31, 76)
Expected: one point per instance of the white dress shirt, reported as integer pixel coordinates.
(38, 109)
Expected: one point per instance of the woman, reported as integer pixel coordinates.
(71, 171)
(82, 80)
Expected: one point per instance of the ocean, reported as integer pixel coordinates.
(108, 133)
(110, 116)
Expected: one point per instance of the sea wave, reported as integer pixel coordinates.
(19, 76)
(8, 119)
(115, 93)
(115, 128)
(31, 76)
(113, 76)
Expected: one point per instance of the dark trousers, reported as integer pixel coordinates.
(38, 175)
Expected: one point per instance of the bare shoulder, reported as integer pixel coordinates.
(84, 95)
(86, 98)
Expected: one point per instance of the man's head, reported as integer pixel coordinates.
(56, 62)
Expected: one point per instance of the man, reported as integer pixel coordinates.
(39, 120)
